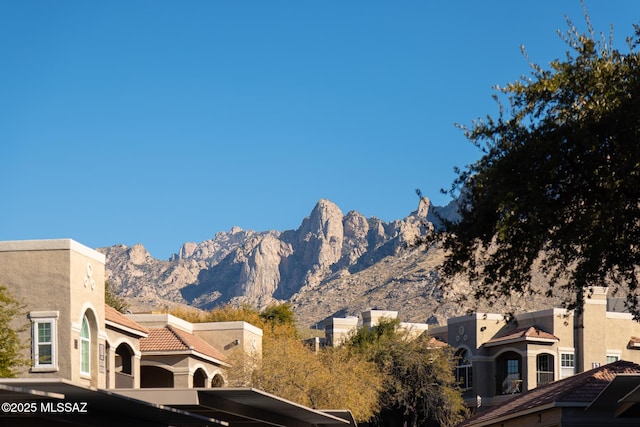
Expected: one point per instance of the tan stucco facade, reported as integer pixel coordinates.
(69, 336)
(559, 344)
(59, 281)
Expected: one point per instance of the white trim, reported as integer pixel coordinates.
(618, 315)
(126, 329)
(520, 339)
(86, 340)
(185, 353)
(44, 314)
(44, 317)
(50, 245)
(560, 367)
(227, 326)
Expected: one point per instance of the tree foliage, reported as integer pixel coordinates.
(419, 387)
(558, 185)
(329, 379)
(11, 348)
(114, 300)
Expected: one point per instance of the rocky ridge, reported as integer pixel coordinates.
(333, 264)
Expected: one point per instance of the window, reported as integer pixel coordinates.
(612, 358)
(464, 373)
(44, 332)
(85, 347)
(509, 374)
(544, 369)
(567, 365)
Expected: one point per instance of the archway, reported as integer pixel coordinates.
(217, 381)
(199, 378)
(509, 373)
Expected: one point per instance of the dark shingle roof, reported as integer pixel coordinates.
(577, 390)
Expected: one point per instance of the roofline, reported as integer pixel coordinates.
(51, 245)
(513, 414)
(519, 339)
(126, 328)
(188, 352)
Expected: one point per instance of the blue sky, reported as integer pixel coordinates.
(161, 122)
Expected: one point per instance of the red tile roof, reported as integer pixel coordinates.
(114, 316)
(174, 339)
(436, 343)
(531, 333)
(577, 390)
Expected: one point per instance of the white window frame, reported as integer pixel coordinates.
(615, 355)
(41, 318)
(85, 341)
(464, 370)
(564, 369)
(549, 372)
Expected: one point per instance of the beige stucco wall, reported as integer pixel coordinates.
(49, 276)
(224, 335)
(338, 329)
(116, 338)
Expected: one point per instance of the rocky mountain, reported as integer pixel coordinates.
(333, 264)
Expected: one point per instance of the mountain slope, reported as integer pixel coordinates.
(333, 264)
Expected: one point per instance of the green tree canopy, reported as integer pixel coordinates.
(558, 185)
(419, 388)
(11, 357)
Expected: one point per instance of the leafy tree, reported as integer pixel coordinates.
(557, 188)
(114, 300)
(419, 387)
(11, 348)
(332, 378)
(279, 313)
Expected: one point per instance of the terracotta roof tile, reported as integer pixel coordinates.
(174, 339)
(436, 343)
(580, 389)
(113, 315)
(532, 332)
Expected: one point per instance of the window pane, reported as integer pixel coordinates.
(44, 332)
(44, 354)
(566, 360)
(84, 356)
(84, 333)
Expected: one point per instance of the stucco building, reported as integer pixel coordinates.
(74, 336)
(142, 369)
(498, 359)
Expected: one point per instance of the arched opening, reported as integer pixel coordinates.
(199, 378)
(217, 381)
(509, 373)
(464, 369)
(544, 369)
(124, 359)
(154, 376)
(123, 366)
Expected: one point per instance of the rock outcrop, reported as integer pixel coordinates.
(262, 267)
